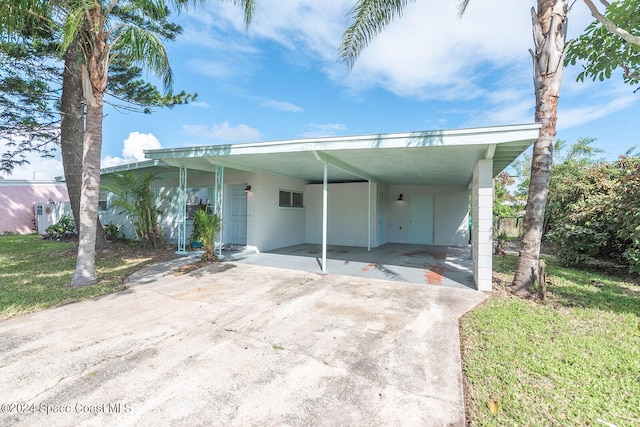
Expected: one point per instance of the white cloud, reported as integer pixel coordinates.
(133, 149)
(327, 129)
(427, 54)
(570, 117)
(282, 106)
(38, 168)
(215, 69)
(224, 132)
(200, 104)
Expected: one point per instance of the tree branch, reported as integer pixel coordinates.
(609, 25)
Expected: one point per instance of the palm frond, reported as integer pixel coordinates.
(462, 7)
(369, 18)
(249, 8)
(16, 15)
(73, 26)
(146, 48)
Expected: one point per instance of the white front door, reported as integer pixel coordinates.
(421, 219)
(237, 215)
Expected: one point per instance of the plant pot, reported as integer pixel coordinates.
(196, 244)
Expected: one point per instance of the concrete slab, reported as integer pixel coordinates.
(239, 344)
(426, 264)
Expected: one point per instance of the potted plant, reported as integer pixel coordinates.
(208, 226)
(194, 240)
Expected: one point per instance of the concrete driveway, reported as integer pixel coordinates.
(238, 344)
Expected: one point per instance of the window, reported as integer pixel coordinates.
(102, 200)
(291, 199)
(196, 199)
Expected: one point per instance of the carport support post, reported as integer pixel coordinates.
(182, 211)
(369, 220)
(324, 218)
(218, 201)
(482, 239)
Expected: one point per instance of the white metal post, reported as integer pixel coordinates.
(324, 219)
(182, 211)
(369, 220)
(218, 197)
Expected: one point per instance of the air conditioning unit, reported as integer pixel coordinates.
(47, 213)
(44, 217)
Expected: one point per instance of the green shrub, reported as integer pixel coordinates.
(208, 226)
(113, 231)
(600, 219)
(134, 196)
(63, 229)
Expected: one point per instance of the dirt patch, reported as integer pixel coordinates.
(134, 252)
(128, 250)
(186, 269)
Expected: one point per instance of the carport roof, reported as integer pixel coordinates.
(439, 157)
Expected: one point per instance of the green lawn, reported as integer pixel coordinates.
(35, 273)
(572, 360)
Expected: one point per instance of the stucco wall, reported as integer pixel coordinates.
(482, 241)
(450, 213)
(268, 225)
(17, 199)
(348, 212)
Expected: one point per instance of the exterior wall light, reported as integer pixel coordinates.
(247, 189)
(400, 197)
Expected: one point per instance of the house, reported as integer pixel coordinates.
(26, 203)
(359, 190)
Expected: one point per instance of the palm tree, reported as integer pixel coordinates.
(549, 32)
(101, 34)
(208, 226)
(72, 134)
(133, 195)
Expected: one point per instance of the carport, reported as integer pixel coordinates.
(446, 266)
(465, 159)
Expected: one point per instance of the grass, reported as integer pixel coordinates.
(572, 360)
(35, 273)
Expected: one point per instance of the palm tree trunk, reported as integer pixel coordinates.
(72, 127)
(72, 135)
(92, 147)
(549, 33)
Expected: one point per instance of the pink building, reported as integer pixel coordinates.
(18, 198)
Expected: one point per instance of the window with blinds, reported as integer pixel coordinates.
(291, 199)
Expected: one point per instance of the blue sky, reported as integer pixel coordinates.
(429, 70)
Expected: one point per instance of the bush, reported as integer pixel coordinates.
(113, 231)
(133, 195)
(63, 229)
(601, 220)
(208, 226)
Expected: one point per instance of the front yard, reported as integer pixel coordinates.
(572, 360)
(35, 273)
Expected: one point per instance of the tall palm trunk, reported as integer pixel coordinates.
(549, 34)
(94, 84)
(85, 264)
(72, 135)
(72, 126)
